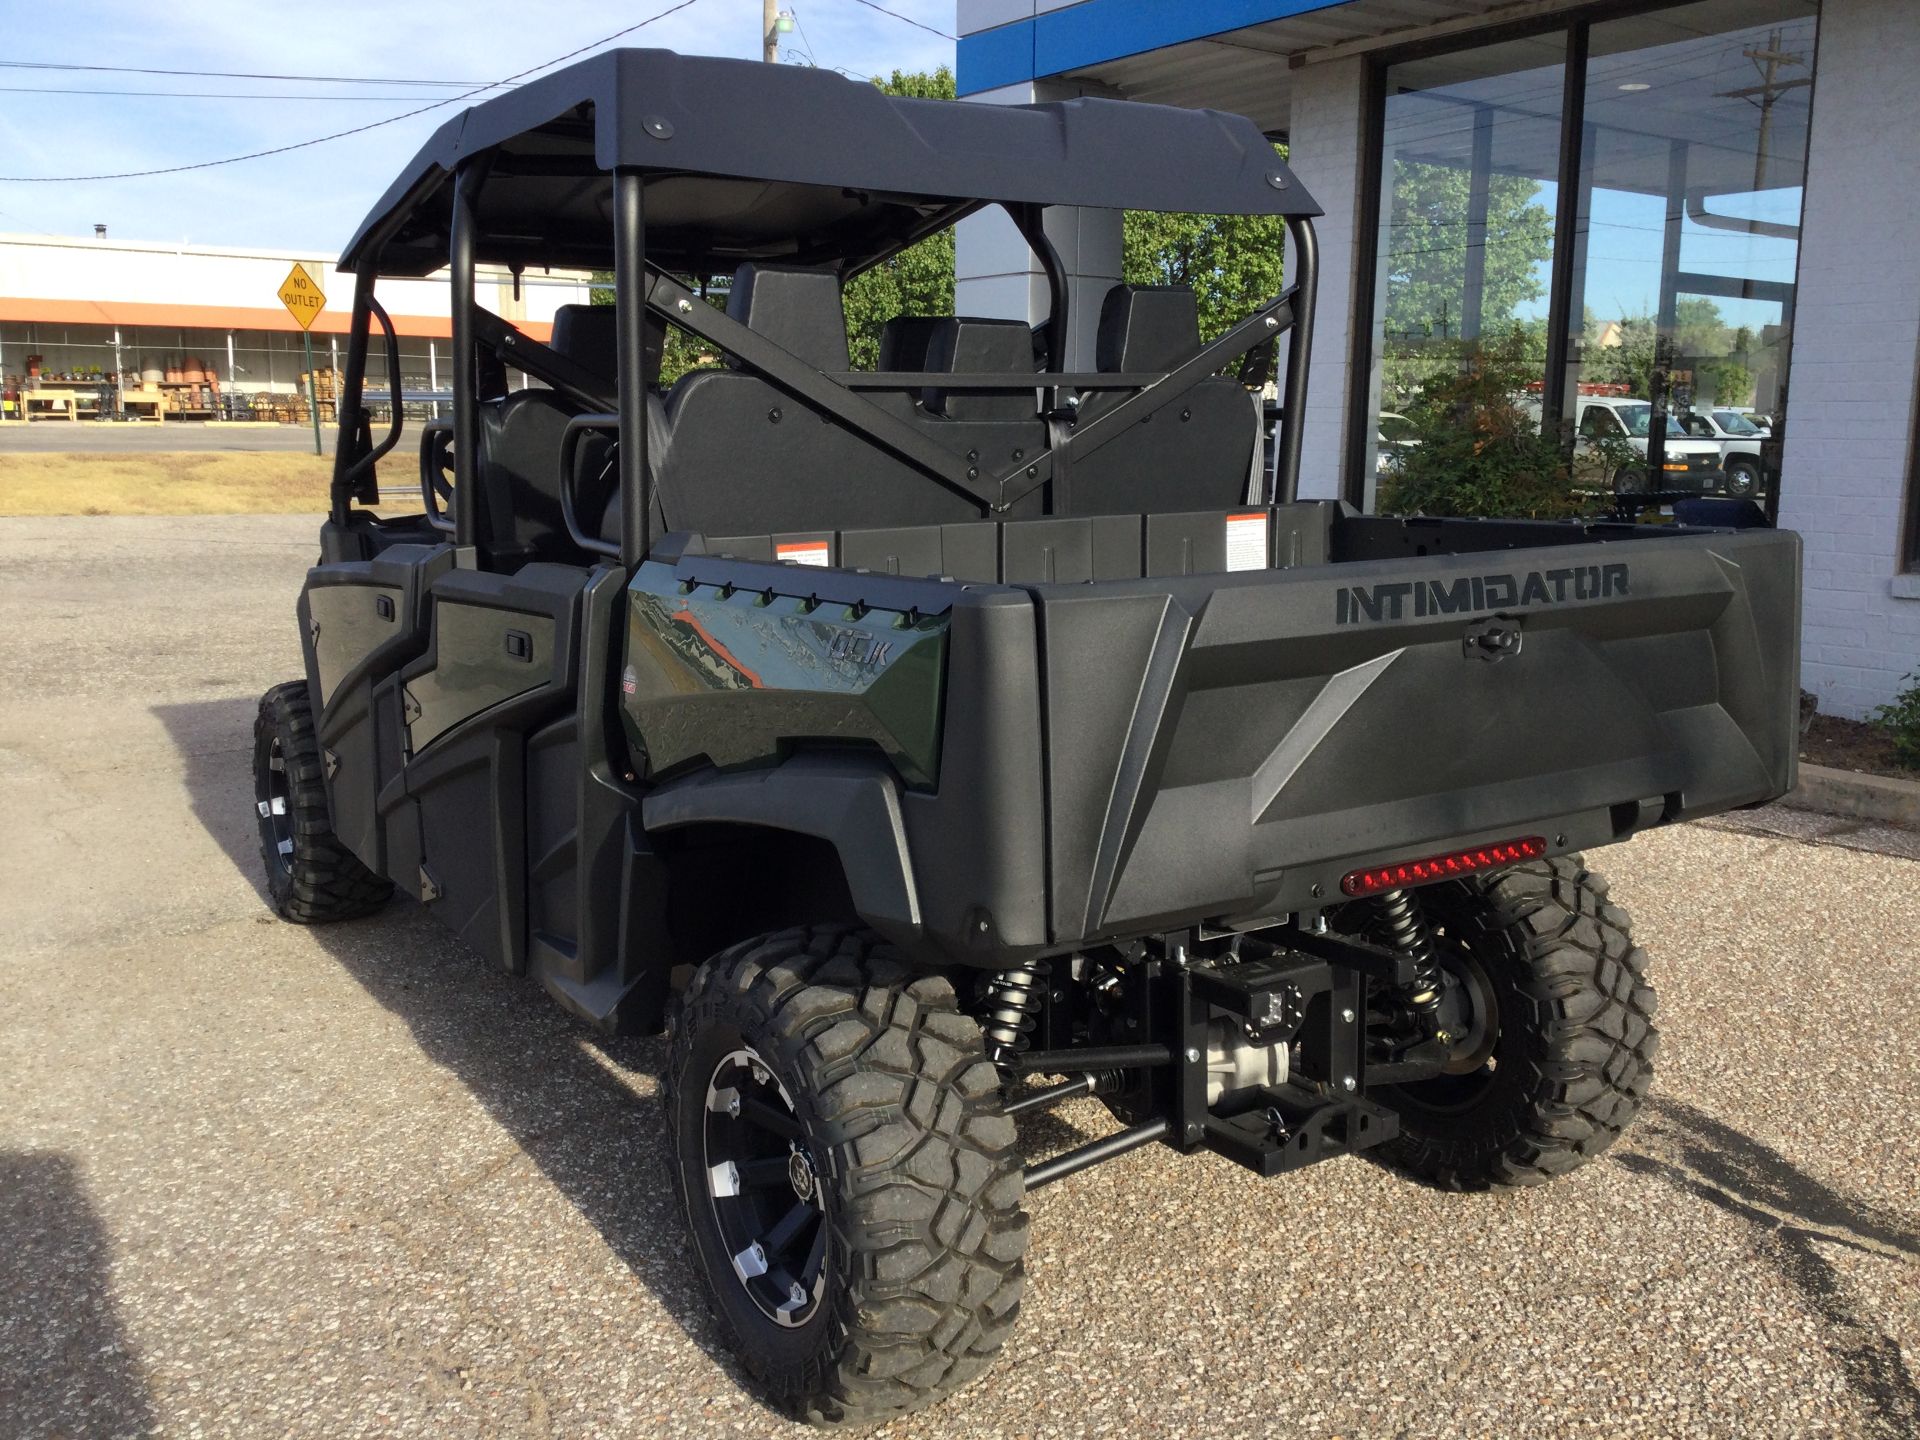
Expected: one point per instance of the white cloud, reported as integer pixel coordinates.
(315, 198)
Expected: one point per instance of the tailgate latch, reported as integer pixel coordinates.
(1494, 638)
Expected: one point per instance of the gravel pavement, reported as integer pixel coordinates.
(263, 1181)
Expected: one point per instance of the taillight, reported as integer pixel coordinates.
(1374, 879)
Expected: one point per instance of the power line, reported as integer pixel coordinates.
(229, 74)
(357, 129)
(908, 19)
(187, 94)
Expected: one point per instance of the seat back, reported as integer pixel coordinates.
(521, 433)
(746, 458)
(1195, 454)
(995, 347)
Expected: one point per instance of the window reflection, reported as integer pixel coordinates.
(1677, 289)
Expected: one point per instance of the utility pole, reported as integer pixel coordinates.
(769, 33)
(1763, 96)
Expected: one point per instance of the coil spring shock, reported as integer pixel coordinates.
(1406, 930)
(1013, 1008)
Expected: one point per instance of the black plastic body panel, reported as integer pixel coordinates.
(1120, 752)
(1124, 751)
(360, 621)
(466, 770)
(1231, 746)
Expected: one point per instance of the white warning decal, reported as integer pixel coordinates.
(803, 552)
(1247, 540)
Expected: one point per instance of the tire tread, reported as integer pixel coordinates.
(1589, 1043)
(327, 881)
(929, 1177)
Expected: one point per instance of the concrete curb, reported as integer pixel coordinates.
(1860, 797)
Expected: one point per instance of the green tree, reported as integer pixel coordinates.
(1232, 263)
(1703, 342)
(917, 281)
(1427, 249)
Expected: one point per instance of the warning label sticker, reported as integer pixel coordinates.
(1247, 541)
(803, 552)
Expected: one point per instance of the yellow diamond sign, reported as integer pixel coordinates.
(302, 296)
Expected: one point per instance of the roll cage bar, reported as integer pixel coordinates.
(641, 287)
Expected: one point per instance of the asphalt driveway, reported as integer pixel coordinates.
(260, 1180)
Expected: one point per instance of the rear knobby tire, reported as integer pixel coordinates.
(913, 1170)
(311, 877)
(1574, 1053)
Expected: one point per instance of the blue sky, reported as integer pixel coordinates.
(315, 197)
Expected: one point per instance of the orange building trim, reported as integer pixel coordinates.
(222, 317)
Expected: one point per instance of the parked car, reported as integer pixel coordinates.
(1691, 466)
(1739, 440)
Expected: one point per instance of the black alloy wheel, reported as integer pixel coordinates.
(763, 1185)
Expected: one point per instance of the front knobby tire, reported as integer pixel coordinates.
(312, 878)
(849, 1178)
(1574, 1050)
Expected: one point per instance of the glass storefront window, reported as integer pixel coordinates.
(1650, 346)
(1468, 202)
(1694, 145)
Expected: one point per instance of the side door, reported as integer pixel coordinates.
(360, 622)
(500, 665)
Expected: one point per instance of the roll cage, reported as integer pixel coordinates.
(479, 186)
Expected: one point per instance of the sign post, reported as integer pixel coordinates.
(304, 301)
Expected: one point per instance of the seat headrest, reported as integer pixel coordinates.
(994, 347)
(904, 340)
(1147, 327)
(585, 334)
(796, 307)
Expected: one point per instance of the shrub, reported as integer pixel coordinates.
(1901, 719)
(1477, 447)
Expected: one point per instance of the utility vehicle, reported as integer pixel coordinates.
(898, 739)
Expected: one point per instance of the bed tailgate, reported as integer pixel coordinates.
(1230, 746)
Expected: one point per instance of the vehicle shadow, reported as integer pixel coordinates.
(580, 1105)
(1792, 1217)
(66, 1367)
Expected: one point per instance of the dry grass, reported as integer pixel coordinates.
(193, 483)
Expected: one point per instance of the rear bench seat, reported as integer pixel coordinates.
(753, 470)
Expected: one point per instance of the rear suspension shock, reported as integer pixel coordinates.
(1014, 998)
(1406, 930)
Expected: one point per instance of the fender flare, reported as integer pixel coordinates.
(851, 803)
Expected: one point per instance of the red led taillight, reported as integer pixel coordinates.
(1373, 880)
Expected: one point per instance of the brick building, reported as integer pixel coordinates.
(1728, 180)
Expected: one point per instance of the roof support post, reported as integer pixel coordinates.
(466, 363)
(346, 414)
(1293, 395)
(631, 284)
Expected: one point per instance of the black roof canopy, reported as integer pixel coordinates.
(747, 161)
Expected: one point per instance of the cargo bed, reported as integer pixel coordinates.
(1098, 729)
